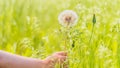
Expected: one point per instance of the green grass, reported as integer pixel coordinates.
(30, 28)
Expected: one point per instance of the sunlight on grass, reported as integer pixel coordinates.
(31, 28)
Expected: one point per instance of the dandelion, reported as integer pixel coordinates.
(68, 18)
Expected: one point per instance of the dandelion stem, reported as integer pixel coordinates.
(65, 42)
(66, 36)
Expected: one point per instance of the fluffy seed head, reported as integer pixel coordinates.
(68, 18)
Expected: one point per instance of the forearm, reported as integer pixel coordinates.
(14, 61)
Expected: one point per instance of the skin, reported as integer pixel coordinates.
(8, 60)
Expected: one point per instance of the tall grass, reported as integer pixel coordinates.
(30, 28)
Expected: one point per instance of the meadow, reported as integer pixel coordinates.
(31, 28)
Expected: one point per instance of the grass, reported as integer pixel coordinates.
(30, 28)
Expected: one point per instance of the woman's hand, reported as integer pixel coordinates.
(56, 58)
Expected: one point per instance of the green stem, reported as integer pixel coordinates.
(91, 49)
(91, 34)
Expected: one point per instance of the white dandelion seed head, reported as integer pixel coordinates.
(68, 18)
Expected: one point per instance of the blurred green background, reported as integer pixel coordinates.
(30, 28)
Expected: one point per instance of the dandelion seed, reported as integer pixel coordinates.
(68, 18)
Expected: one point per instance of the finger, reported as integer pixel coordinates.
(62, 53)
(63, 62)
(66, 64)
(61, 59)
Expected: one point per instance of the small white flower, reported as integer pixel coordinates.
(45, 38)
(104, 52)
(68, 18)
